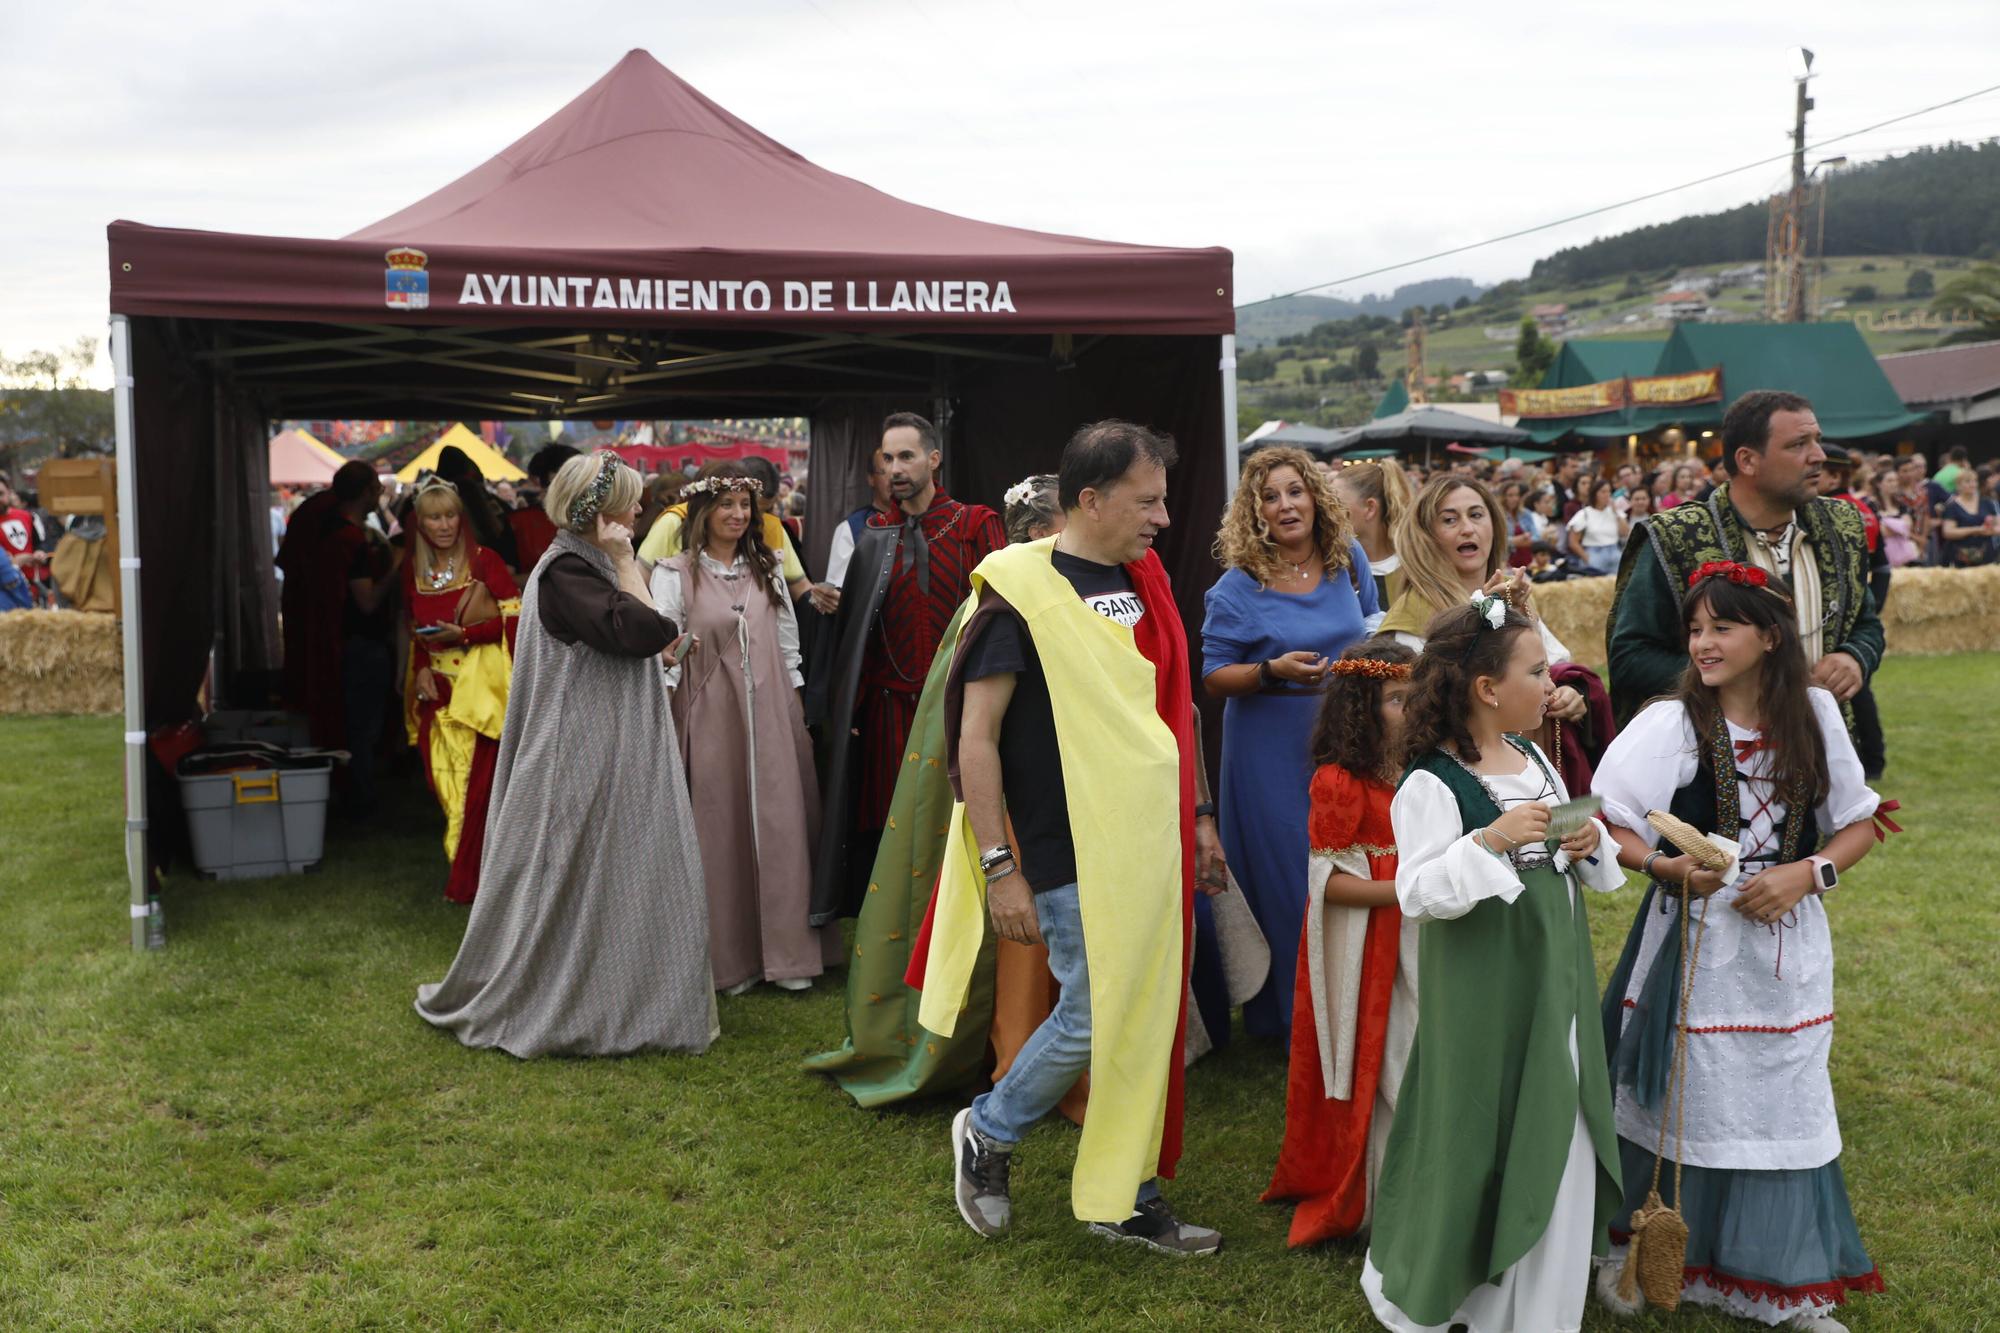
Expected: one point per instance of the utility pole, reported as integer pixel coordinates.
(1794, 230)
(1413, 361)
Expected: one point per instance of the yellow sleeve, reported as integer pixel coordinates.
(779, 538)
(664, 541)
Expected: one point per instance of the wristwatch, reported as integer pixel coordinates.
(1824, 877)
(1206, 808)
(995, 856)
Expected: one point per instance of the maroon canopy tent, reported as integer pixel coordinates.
(642, 253)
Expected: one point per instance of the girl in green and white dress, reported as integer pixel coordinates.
(1501, 1172)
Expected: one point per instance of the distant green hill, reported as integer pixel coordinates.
(1314, 377)
(1264, 323)
(1935, 201)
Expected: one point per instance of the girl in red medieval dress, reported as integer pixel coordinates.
(1355, 997)
(461, 604)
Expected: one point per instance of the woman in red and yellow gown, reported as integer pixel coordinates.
(462, 606)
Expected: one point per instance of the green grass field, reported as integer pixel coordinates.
(252, 1130)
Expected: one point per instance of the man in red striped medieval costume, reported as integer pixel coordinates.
(911, 571)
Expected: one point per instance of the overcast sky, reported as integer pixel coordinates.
(1313, 139)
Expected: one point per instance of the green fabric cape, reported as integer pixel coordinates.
(1489, 1101)
(888, 1055)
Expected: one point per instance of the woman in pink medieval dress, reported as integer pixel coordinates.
(735, 680)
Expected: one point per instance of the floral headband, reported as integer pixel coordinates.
(717, 485)
(1025, 490)
(1492, 615)
(1371, 669)
(588, 505)
(1747, 575)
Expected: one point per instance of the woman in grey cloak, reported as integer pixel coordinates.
(589, 935)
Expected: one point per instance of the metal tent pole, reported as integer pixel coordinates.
(138, 868)
(1231, 447)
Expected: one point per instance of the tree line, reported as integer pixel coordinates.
(1938, 201)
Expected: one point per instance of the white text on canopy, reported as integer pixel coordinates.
(524, 291)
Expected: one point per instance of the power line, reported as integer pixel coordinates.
(1623, 203)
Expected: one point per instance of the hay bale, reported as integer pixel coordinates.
(1930, 612)
(1943, 611)
(60, 662)
(1575, 611)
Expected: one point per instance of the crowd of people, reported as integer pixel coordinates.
(28, 538)
(672, 761)
(1571, 517)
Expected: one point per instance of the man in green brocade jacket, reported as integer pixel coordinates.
(1768, 514)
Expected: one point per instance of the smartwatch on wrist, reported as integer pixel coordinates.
(1205, 810)
(1825, 878)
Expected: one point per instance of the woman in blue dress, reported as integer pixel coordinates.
(1295, 594)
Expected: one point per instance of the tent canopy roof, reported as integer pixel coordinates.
(1594, 360)
(617, 211)
(484, 456)
(1316, 440)
(1428, 421)
(1395, 398)
(297, 459)
(1945, 376)
(1829, 364)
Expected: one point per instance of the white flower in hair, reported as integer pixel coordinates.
(1492, 609)
(1020, 492)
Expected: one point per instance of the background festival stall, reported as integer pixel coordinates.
(1665, 398)
(641, 253)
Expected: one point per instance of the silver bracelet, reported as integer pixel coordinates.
(1646, 866)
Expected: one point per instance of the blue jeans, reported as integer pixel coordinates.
(1058, 1053)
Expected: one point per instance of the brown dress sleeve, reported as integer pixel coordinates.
(577, 605)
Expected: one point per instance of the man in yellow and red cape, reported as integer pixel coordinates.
(1069, 709)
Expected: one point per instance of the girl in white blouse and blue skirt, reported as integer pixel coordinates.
(1743, 751)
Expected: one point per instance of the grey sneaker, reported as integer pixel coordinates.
(979, 1177)
(1155, 1226)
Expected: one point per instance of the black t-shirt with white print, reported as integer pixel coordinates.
(1030, 760)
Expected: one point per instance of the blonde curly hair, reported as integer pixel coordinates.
(1244, 539)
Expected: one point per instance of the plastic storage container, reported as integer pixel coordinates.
(227, 725)
(257, 821)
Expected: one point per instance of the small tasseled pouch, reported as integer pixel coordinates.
(1656, 1256)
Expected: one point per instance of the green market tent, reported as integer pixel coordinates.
(1395, 399)
(1595, 360)
(1827, 363)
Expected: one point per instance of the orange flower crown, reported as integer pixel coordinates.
(1370, 668)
